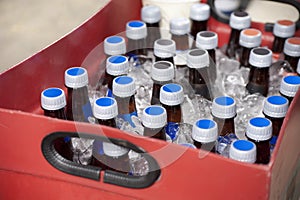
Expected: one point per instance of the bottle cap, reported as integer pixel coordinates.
(290, 85)
(205, 131)
(114, 45)
(292, 47)
(136, 30)
(180, 26)
(259, 129)
(113, 150)
(171, 94)
(154, 116)
(207, 40)
(162, 71)
(276, 106)
(200, 12)
(123, 86)
(53, 99)
(164, 48)
(223, 107)
(260, 57)
(250, 38)
(197, 58)
(239, 20)
(284, 28)
(151, 14)
(243, 150)
(117, 65)
(76, 77)
(105, 108)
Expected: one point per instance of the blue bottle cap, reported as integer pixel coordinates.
(276, 106)
(114, 45)
(259, 129)
(290, 85)
(105, 108)
(224, 107)
(76, 77)
(123, 86)
(53, 99)
(117, 65)
(243, 150)
(136, 30)
(154, 117)
(205, 131)
(171, 94)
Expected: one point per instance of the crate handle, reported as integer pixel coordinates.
(93, 172)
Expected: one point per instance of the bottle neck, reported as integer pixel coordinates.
(198, 26)
(276, 124)
(293, 61)
(262, 151)
(136, 47)
(154, 25)
(198, 83)
(108, 122)
(278, 44)
(126, 105)
(245, 55)
(258, 80)
(225, 126)
(157, 133)
(210, 146)
(59, 114)
(233, 43)
(212, 54)
(170, 59)
(181, 41)
(290, 99)
(173, 113)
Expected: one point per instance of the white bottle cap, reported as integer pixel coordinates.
(123, 86)
(197, 58)
(117, 65)
(180, 26)
(276, 106)
(136, 30)
(162, 71)
(260, 57)
(154, 116)
(284, 28)
(223, 107)
(200, 12)
(239, 20)
(207, 40)
(205, 131)
(171, 94)
(292, 47)
(114, 45)
(243, 150)
(164, 48)
(105, 108)
(76, 77)
(250, 38)
(53, 99)
(290, 85)
(259, 129)
(113, 150)
(151, 14)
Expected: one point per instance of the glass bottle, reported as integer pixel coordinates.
(171, 97)
(260, 61)
(243, 151)
(291, 51)
(205, 134)
(239, 20)
(208, 40)
(154, 120)
(249, 39)
(289, 86)
(223, 112)
(151, 15)
(53, 102)
(164, 50)
(275, 108)
(123, 91)
(282, 30)
(106, 155)
(259, 131)
(198, 65)
(162, 72)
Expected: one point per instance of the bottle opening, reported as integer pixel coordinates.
(251, 32)
(243, 145)
(162, 65)
(117, 59)
(240, 14)
(171, 87)
(207, 34)
(52, 92)
(105, 101)
(154, 110)
(75, 71)
(261, 51)
(205, 124)
(164, 42)
(136, 24)
(294, 40)
(114, 39)
(277, 100)
(259, 122)
(224, 101)
(285, 22)
(123, 80)
(294, 80)
(197, 52)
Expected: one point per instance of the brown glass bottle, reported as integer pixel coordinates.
(260, 61)
(292, 51)
(136, 32)
(282, 30)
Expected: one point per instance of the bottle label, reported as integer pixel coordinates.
(129, 118)
(172, 129)
(87, 112)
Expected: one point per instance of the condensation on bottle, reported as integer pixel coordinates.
(243, 151)
(289, 86)
(291, 51)
(282, 30)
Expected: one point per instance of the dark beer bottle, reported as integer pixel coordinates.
(260, 61)
(289, 86)
(136, 33)
(162, 72)
(223, 112)
(249, 39)
(199, 14)
(282, 30)
(53, 102)
(205, 134)
(243, 151)
(164, 50)
(291, 51)
(198, 65)
(239, 20)
(259, 131)
(208, 40)
(123, 91)
(154, 120)
(151, 16)
(171, 97)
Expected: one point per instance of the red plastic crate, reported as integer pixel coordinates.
(26, 174)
